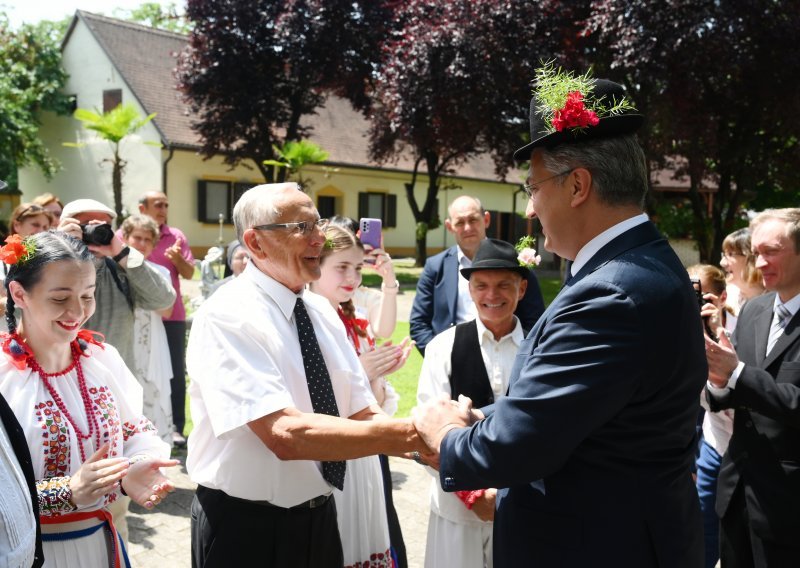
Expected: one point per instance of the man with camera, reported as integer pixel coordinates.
(124, 280)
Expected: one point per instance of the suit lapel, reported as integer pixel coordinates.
(762, 322)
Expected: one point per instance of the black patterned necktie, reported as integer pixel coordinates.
(319, 384)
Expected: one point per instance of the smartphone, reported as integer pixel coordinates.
(698, 290)
(370, 231)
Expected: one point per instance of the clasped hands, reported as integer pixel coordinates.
(434, 419)
(144, 482)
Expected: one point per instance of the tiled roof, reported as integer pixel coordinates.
(146, 58)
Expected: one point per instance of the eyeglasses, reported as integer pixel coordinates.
(729, 255)
(531, 188)
(301, 227)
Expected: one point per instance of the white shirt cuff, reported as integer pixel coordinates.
(734, 378)
(135, 258)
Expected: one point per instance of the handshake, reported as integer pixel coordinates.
(434, 419)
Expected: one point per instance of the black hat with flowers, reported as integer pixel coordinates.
(494, 254)
(566, 109)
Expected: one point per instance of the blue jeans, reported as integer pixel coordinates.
(707, 474)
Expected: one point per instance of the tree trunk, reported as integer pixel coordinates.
(116, 184)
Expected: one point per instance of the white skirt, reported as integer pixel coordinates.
(361, 513)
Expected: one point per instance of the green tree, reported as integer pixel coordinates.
(31, 79)
(716, 80)
(114, 126)
(157, 16)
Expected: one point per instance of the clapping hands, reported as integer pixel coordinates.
(386, 358)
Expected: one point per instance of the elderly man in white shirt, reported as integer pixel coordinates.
(473, 359)
(263, 451)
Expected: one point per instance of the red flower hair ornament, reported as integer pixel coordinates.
(16, 250)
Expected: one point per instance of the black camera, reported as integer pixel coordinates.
(698, 291)
(97, 234)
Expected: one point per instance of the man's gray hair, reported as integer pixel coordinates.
(257, 206)
(789, 215)
(617, 165)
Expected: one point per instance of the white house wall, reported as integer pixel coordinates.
(84, 173)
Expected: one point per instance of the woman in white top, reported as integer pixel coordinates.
(79, 406)
(360, 507)
(153, 367)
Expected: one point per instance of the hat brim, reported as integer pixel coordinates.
(608, 127)
(521, 270)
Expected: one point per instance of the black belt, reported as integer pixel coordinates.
(310, 504)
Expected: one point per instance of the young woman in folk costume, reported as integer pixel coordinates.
(361, 507)
(79, 405)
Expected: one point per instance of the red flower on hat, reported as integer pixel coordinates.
(574, 114)
(14, 250)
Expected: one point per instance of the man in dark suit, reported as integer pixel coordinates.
(758, 498)
(442, 299)
(593, 444)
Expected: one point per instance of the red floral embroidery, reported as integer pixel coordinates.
(574, 114)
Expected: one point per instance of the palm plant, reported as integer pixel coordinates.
(114, 126)
(294, 155)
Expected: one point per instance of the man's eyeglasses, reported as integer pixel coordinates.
(302, 227)
(531, 188)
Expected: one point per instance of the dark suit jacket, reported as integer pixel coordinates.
(20, 445)
(434, 308)
(593, 444)
(764, 453)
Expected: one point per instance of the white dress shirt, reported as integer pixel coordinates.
(498, 357)
(245, 363)
(593, 247)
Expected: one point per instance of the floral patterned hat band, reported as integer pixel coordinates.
(17, 250)
(569, 109)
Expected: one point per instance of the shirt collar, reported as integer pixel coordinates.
(592, 247)
(284, 298)
(463, 261)
(516, 334)
(792, 305)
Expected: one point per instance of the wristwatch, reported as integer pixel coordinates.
(122, 254)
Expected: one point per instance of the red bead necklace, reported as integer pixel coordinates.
(91, 417)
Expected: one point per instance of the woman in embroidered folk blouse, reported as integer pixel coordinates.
(360, 507)
(79, 405)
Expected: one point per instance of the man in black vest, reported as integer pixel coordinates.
(473, 359)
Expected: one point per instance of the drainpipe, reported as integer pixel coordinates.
(164, 168)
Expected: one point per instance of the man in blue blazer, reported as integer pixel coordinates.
(442, 299)
(593, 445)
